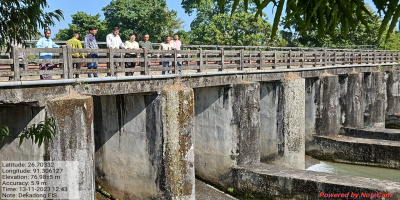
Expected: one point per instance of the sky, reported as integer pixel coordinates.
(94, 7)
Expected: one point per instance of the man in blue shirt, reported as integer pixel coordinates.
(46, 42)
(91, 43)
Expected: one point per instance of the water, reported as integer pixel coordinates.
(355, 170)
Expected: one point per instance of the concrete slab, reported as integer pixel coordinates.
(274, 182)
(372, 133)
(362, 151)
(208, 192)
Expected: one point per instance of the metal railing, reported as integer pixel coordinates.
(199, 60)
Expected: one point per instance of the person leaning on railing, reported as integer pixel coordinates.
(46, 42)
(133, 45)
(91, 43)
(114, 42)
(146, 44)
(167, 45)
(76, 44)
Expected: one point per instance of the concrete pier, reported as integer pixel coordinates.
(327, 120)
(74, 140)
(352, 103)
(292, 151)
(375, 99)
(144, 145)
(227, 130)
(393, 93)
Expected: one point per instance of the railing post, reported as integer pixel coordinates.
(201, 60)
(222, 60)
(393, 58)
(344, 57)
(303, 59)
(334, 57)
(111, 61)
(290, 58)
(241, 59)
(326, 58)
(315, 58)
(274, 67)
(17, 73)
(146, 62)
(175, 62)
(69, 63)
(262, 59)
(374, 61)
(361, 58)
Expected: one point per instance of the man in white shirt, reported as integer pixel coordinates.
(131, 44)
(167, 45)
(114, 41)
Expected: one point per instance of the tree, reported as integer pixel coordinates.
(325, 16)
(240, 28)
(22, 19)
(359, 35)
(80, 23)
(135, 16)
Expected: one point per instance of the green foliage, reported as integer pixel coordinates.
(393, 42)
(134, 16)
(39, 133)
(23, 19)
(4, 132)
(80, 23)
(360, 35)
(334, 17)
(240, 28)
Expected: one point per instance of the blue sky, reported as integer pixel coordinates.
(93, 7)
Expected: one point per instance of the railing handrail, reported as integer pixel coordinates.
(199, 60)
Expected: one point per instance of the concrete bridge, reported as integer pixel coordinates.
(247, 125)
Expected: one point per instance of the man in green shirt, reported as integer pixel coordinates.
(146, 44)
(75, 43)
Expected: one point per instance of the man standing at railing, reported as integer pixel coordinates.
(46, 42)
(177, 43)
(146, 44)
(75, 43)
(91, 43)
(133, 45)
(167, 45)
(115, 42)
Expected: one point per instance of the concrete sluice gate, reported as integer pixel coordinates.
(249, 133)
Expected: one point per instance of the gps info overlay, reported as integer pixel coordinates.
(39, 180)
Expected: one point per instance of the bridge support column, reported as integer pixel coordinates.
(393, 93)
(177, 108)
(352, 102)
(227, 130)
(327, 120)
(74, 140)
(291, 152)
(375, 99)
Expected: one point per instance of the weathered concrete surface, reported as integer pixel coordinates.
(144, 145)
(273, 182)
(177, 107)
(227, 130)
(393, 93)
(375, 99)
(372, 133)
(207, 192)
(74, 140)
(352, 103)
(327, 120)
(393, 121)
(371, 152)
(292, 151)
(17, 117)
(310, 110)
(270, 120)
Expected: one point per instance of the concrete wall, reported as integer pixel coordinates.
(17, 117)
(270, 120)
(227, 130)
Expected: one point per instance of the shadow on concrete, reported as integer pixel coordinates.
(16, 117)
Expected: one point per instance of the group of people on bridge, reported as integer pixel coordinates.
(113, 41)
